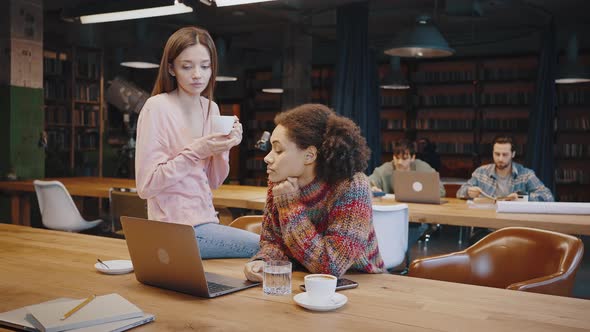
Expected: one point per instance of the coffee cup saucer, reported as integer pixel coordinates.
(337, 301)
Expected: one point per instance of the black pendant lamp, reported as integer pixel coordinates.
(275, 84)
(394, 79)
(572, 71)
(223, 72)
(422, 41)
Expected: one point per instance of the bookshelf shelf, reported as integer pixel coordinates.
(73, 88)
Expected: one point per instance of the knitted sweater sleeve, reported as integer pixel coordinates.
(336, 248)
(272, 246)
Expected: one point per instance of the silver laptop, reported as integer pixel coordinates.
(417, 187)
(167, 255)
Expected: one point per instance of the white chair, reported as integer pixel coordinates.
(58, 210)
(391, 227)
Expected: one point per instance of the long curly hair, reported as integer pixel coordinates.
(342, 149)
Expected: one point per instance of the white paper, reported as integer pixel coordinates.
(543, 207)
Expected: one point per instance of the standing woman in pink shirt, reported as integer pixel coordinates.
(178, 160)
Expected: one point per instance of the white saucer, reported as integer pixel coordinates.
(120, 266)
(337, 301)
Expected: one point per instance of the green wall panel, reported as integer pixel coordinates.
(21, 123)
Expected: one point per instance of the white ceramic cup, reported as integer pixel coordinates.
(320, 287)
(222, 124)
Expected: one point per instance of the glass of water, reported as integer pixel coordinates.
(277, 278)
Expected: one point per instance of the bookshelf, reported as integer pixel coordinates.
(73, 92)
(572, 141)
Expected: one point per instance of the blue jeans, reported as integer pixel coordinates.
(220, 241)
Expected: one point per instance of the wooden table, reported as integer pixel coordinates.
(227, 195)
(456, 212)
(40, 265)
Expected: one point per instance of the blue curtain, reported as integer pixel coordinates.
(539, 152)
(356, 87)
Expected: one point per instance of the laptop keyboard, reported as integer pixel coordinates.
(216, 288)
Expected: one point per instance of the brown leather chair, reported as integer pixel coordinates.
(250, 223)
(515, 258)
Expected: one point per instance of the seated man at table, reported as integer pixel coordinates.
(504, 178)
(318, 207)
(404, 159)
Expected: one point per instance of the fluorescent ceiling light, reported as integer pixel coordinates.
(224, 3)
(176, 8)
(139, 64)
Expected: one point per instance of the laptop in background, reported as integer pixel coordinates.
(167, 255)
(417, 187)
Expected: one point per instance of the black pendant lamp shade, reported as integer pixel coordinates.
(275, 84)
(394, 79)
(223, 72)
(422, 41)
(572, 70)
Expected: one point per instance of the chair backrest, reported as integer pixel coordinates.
(515, 258)
(125, 202)
(391, 228)
(58, 210)
(250, 223)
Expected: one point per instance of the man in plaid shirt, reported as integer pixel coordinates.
(505, 178)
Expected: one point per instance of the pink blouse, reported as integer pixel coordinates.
(174, 172)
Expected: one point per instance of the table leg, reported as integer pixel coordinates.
(25, 210)
(15, 209)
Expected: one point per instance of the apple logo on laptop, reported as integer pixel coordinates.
(163, 256)
(417, 186)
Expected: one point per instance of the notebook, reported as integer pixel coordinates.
(103, 309)
(17, 319)
(167, 255)
(417, 187)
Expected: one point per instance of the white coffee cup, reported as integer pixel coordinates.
(320, 287)
(222, 124)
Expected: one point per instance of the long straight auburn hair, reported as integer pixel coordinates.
(178, 42)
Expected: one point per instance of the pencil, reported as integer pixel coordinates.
(78, 307)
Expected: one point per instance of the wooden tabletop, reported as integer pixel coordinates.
(40, 265)
(226, 195)
(457, 212)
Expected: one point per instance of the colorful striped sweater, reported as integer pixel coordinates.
(326, 228)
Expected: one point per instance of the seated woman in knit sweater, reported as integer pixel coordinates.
(318, 207)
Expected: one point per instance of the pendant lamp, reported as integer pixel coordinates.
(572, 71)
(394, 79)
(223, 73)
(423, 40)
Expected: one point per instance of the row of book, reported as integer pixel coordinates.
(322, 78)
(444, 124)
(446, 100)
(572, 150)
(88, 65)
(57, 115)
(58, 139)
(572, 175)
(442, 76)
(508, 73)
(392, 101)
(87, 140)
(86, 91)
(55, 89)
(86, 115)
(393, 124)
(55, 63)
(505, 124)
(581, 124)
(322, 95)
(574, 97)
(506, 98)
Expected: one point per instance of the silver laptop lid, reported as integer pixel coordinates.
(416, 187)
(167, 255)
